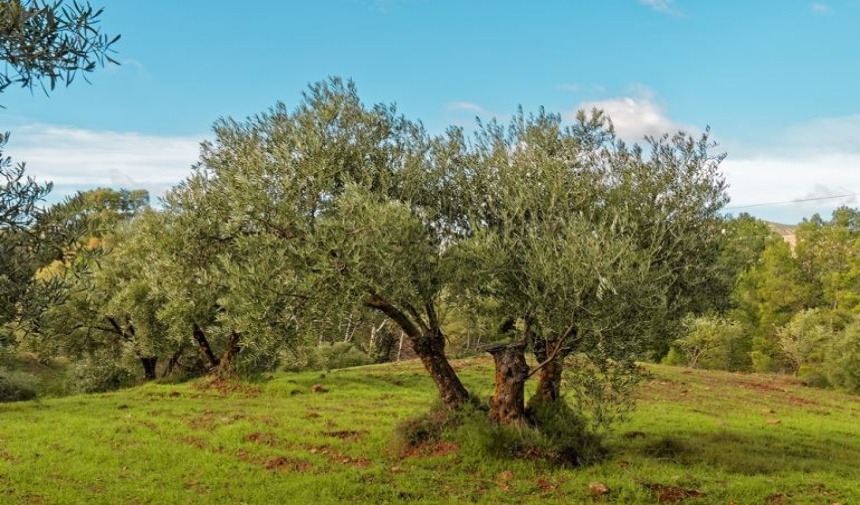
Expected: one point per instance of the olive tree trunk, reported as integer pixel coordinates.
(507, 405)
(428, 343)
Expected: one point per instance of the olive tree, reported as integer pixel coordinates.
(592, 247)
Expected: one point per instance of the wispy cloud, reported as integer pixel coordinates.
(467, 107)
(821, 8)
(77, 158)
(664, 6)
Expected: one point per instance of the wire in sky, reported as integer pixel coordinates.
(791, 201)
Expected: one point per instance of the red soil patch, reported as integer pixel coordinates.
(672, 494)
(263, 438)
(194, 441)
(796, 400)
(226, 387)
(284, 464)
(431, 449)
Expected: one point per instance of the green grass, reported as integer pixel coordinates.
(706, 437)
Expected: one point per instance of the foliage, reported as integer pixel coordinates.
(842, 361)
(17, 386)
(600, 391)
(768, 295)
(327, 357)
(49, 41)
(829, 254)
(19, 258)
(97, 374)
(803, 339)
(713, 342)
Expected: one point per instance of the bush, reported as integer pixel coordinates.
(711, 342)
(803, 339)
(17, 386)
(326, 357)
(97, 375)
(842, 361)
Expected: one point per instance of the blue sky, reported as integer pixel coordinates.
(776, 80)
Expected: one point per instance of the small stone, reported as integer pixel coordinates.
(598, 489)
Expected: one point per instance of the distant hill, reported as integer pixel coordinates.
(786, 231)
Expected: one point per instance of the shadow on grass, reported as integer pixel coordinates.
(753, 454)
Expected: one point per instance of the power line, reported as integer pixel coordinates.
(791, 201)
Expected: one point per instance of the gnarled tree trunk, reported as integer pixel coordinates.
(507, 405)
(428, 342)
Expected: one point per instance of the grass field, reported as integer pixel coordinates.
(696, 437)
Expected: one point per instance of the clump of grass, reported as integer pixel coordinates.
(437, 424)
(555, 433)
(667, 447)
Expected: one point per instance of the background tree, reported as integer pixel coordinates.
(19, 209)
(768, 295)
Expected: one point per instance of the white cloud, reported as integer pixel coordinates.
(819, 160)
(664, 6)
(76, 158)
(634, 116)
(821, 8)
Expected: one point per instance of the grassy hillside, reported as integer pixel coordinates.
(704, 437)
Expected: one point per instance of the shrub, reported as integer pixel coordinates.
(326, 357)
(803, 339)
(95, 375)
(712, 342)
(842, 360)
(17, 386)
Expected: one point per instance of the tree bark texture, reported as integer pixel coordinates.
(428, 343)
(552, 357)
(507, 405)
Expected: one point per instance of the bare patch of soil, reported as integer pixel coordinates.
(672, 494)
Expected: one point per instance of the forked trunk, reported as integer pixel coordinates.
(507, 405)
(429, 345)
